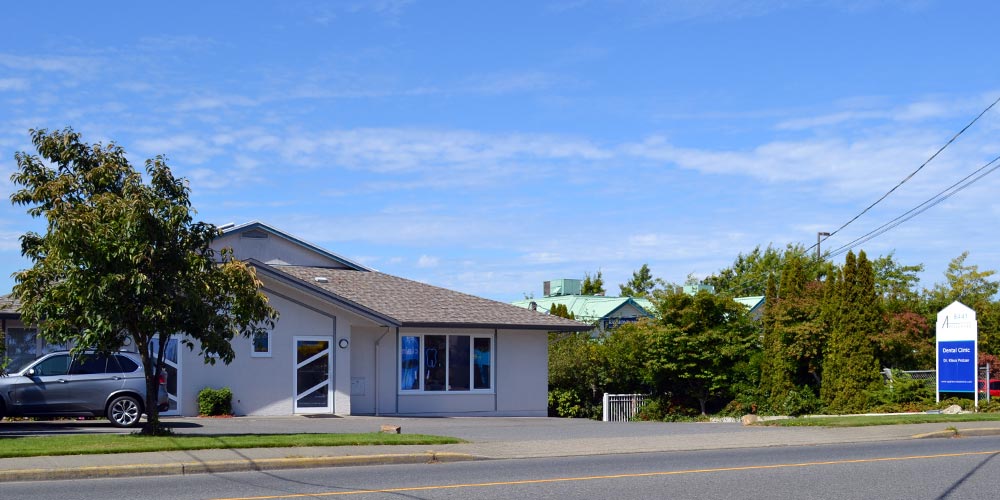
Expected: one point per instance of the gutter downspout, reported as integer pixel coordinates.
(396, 374)
(496, 391)
(376, 368)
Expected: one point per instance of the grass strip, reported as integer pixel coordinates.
(94, 444)
(869, 420)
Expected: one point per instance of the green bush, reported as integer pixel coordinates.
(666, 410)
(567, 403)
(993, 406)
(965, 403)
(799, 401)
(215, 402)
(903, 393)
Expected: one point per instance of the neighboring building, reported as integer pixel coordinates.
(353, 341)
(694, 288)
(754, 305)
(602, 312)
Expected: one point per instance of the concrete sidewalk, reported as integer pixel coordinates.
(489, 438)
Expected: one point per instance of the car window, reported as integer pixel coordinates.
(127, 365)
(56, 365)
(89, 364)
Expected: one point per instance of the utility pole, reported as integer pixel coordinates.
(819, 239)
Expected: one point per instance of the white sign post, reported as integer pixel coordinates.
(957, 351)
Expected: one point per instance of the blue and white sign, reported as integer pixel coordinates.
(957, 350)
(957, 366)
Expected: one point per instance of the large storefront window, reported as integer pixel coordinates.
(23, 345)
(445, 363)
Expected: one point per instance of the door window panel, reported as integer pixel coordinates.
(481, 371)
(435, 361)
(458, 363)
(89, 365)
(409, 364)
(56, 365)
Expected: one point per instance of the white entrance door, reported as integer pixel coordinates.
(171, 365)
(313, 375)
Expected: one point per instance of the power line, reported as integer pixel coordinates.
(921, 208)
(908, 177)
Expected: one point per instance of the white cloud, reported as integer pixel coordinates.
(75, 65)
(185, 147)
(9, 84)
(10, 240)
(426, 261)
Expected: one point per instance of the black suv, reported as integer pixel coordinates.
(58, 385)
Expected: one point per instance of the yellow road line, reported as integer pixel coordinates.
(615, 476)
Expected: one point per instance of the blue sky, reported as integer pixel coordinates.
(489, 146)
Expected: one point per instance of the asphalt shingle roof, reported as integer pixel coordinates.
(9, 305)
(415, 304)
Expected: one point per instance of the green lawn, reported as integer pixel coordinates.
(862, 421)
(117, 443)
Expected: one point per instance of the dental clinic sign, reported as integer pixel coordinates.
(957, 350)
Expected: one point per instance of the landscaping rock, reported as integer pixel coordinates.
(392, 429)
(749, 419)
(952, 410)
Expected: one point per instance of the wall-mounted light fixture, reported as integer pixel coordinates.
(343, 343)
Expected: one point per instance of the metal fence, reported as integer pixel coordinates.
(622, 407)
(930, 378)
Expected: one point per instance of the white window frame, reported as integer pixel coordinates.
(472, 364)
(265, 354)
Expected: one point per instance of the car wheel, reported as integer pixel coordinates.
(124, 411)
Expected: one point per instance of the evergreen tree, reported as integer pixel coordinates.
(850, 369)
(593, 285)
(775, 377)
(641, 284)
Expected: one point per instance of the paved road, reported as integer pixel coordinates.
(914, 469)
(488, 438)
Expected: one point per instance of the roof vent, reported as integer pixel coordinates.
(256, 234)
(322, 279)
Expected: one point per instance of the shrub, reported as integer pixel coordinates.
(567, 403)
(903, 392)
(799, 401)
(666, 410)
(965, 403)
(992, 406)
(214, 402)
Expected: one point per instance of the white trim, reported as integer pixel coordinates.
(420, 391)
(295, 372)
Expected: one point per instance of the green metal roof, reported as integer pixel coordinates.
(586, 307)
(751, 303)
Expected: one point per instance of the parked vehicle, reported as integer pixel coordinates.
(994, 388)
(58, 385)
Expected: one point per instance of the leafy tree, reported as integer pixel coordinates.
(896, 283)
(698, 344)
(575, 374)
(593, 285)
(641, 284)
(122, 258)
(965, 283)
(974, 288)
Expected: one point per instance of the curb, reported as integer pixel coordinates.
(185, 468)
(987, 431)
